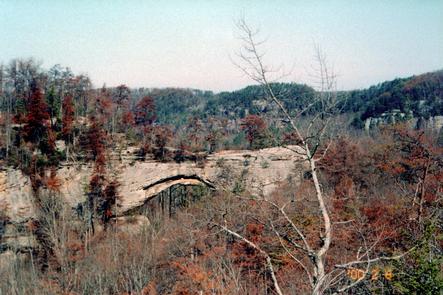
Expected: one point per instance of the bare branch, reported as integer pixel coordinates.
(311, 282)
(382, 258)
(264, 253)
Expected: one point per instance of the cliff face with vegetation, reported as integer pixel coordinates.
(260, 172)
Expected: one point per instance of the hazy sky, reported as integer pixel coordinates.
(189, 43)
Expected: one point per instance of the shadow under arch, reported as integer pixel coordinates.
(168, 194)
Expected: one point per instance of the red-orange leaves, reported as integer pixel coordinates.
(53, 183)
(37, 119)
(255, 129)
(145, 111)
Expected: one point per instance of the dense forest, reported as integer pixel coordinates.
(181, 110)
(365, 217)
(416, 96)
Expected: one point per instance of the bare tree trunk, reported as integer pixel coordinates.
(422, 193)
(8, 125)
(67, 152)
(319, 261)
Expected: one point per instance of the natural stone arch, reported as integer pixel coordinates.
(177, 179)
(155, 188)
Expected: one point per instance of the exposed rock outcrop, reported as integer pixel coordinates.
(395, 116)
(258, 172)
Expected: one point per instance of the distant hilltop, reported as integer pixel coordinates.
(402, 98)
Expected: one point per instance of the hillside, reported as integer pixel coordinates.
(416, 96)
(182, 191)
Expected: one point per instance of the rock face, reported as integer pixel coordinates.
(258, 172)
(16, 191)
(434, 123)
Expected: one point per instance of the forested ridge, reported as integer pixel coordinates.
(417, 96)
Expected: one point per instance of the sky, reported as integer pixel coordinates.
(193, 43)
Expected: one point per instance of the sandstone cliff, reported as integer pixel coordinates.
(259, 172)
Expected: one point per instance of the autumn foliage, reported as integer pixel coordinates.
(37, 118)
(145, 111)
(255, 130)
(382, 189)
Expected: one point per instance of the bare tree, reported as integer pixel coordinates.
(313, 140)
